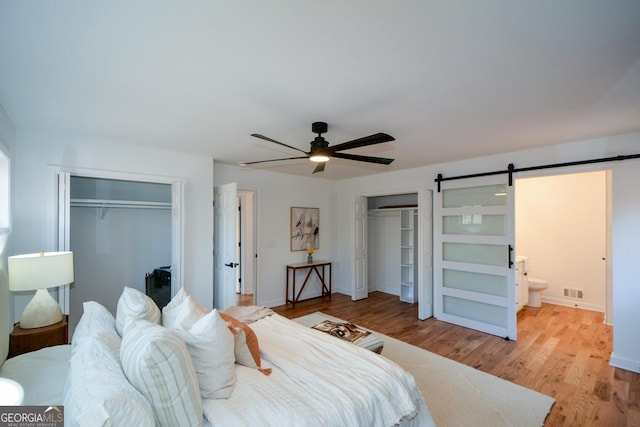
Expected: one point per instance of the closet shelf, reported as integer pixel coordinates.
(102, 203)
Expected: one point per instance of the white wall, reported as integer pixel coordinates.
(276, 194)
(626, 211)
(39, 155)
(561, 227)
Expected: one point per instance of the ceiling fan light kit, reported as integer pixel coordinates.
(319, 157)
(321, 152)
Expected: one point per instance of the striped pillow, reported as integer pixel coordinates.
(135, 304)
(156, 361)
(96, 391)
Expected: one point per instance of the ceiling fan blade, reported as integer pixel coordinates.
(377, 138)
(272, 160)
(320, 167)
(257, 135)
(368, 159)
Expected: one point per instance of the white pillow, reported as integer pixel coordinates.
(211, 346)
(135, 304)
(176, 300)
(95, 318)
(184, 314)
(97, 392)
(156, 361)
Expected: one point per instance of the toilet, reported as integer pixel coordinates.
(536, 286)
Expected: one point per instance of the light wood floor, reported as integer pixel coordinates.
(561, 351)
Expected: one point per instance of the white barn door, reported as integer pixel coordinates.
(474, 272)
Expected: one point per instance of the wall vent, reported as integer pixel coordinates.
(573, 293)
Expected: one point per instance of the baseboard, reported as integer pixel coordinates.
(387, 290)
(573, 303)
(627, 364)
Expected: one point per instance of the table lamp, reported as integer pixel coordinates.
(38, 272)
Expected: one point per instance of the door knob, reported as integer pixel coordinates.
(231, 264)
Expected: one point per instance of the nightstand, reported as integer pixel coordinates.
(25, 340)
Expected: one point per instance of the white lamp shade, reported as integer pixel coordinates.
(40, 271)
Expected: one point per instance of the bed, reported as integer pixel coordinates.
(188, 366)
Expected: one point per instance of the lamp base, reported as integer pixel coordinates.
(41, 311)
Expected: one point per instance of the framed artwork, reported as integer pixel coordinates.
(305, 228)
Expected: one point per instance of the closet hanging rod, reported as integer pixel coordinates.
(99, 203)
(511, 169)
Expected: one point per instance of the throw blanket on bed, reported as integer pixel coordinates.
(318, 381)
(248, 313)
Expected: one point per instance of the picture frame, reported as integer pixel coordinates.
(305, 228)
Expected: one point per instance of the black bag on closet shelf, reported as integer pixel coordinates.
(162, 277)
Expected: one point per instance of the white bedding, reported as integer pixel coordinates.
(310, 386)
(41, 373)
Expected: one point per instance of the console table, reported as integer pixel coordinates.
(319, 268)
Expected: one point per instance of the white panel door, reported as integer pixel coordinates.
(425, 255)
(225, 245)
(361, 286)
(474, 271)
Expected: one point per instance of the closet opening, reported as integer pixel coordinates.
(247, 256)
(392, 236)
(122, 232)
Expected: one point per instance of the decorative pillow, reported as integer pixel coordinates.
(176, 300)
(211, 346)
(135, 304)
(247, 348)
(184, 314)
(95, 318)
(97, 393)
(157, 362)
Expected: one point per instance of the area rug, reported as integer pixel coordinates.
(458, 395)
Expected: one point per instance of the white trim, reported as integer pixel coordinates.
(628, 364)
(475, 268)
(573, 303)
(473, 324)
(478, 240)
(5, 225)
(482, 210)
(475, 296)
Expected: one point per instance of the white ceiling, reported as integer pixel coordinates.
(448, 79)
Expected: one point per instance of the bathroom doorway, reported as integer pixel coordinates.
(563, 226)
(247, 233)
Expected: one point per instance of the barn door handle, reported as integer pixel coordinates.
(510, 251)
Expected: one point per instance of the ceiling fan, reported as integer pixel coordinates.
(321, 151)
